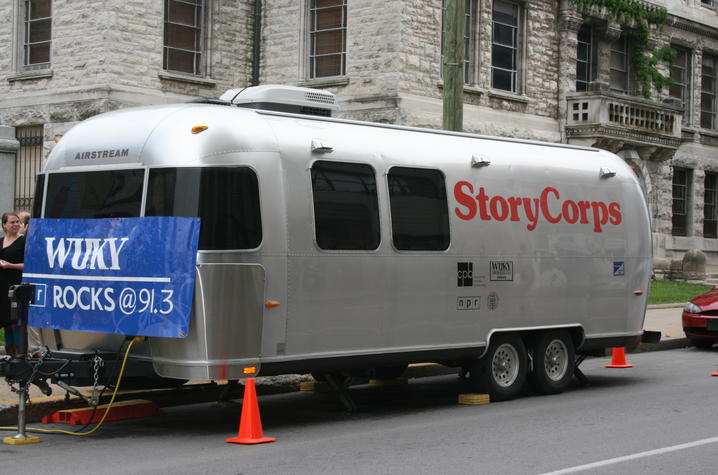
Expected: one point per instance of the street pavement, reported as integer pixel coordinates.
(663, 318)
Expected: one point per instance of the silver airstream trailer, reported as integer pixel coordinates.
(331, 245)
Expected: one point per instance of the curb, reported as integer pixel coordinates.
(666, 305)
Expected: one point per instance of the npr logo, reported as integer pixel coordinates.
(468, 303)
(465, 274)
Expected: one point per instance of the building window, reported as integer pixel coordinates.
(28, 163)
(708, 92)
(346, 209)
(708, 4)
(681, 194)
(681, 75)
(469, 32)
(419, 211)
(584, 57)
(37, 34)
(183, 38)
(327, 38)
(710, 218)
(619, 65)
(505, 46)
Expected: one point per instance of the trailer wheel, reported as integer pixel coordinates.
(554, 360)
(501, 372)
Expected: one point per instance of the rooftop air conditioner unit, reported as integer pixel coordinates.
(297, 100)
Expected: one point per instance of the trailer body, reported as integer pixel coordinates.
(331, 245)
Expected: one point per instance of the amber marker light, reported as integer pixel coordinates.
(198, 128)
(250, 370)
(271, 304)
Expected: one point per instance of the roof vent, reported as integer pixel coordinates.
(297, 100)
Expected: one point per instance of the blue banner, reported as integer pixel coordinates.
(130, 276)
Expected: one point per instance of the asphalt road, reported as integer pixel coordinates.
(658, 417)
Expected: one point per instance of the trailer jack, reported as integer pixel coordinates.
(340, 383)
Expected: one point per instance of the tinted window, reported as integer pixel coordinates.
(37, 200)
(346, 215)
(105, 194)
(419, 212)
(226, 199)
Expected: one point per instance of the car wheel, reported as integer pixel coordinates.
(501, 372)
(553, 362)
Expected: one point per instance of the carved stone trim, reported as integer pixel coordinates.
(623, 134)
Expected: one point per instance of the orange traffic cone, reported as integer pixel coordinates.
(619, 359)
(250, 424)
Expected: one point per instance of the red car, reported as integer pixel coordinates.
(700, 319)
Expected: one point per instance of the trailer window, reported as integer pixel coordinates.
(225, 198)
(37, 199)
(346, 213)
(104, 194)
(419, 210)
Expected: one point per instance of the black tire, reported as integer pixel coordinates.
(501, 372)
(554, 358)
(702, 343)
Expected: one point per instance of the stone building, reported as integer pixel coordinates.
(535, 69)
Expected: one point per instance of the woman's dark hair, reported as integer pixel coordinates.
(6, 216)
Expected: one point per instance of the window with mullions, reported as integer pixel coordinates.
(710, 217)
(346, 212)
(584, 57)
(505, 46)
(708, 92)
(619, 74)
(327, 38)
(226, 199)
(469, 20)
(681, 75)
(708, 3)
(183, 37)
(37, 34)
(419, 211)
(681, 188)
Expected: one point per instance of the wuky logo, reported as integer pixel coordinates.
(86, 253)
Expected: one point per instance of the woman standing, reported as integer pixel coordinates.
(12, 255)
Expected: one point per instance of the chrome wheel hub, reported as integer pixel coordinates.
(556, 360)
(505, 365)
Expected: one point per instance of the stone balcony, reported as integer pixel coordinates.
(613, 121)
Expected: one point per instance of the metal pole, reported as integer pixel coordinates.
(21, 437)
(453, 116)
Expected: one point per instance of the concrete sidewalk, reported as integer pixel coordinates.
(663, 318)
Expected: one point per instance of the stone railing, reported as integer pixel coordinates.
(604, 114)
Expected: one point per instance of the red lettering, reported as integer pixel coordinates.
(614, 209)
(584, 206)
(500, 208)
(514, 203)
(465, 199)
(544, 204)
(569, 210)
(481, 198)
(494, 206)
(531, 213)
(600, 215)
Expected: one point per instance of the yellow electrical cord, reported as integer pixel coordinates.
(107, 411)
